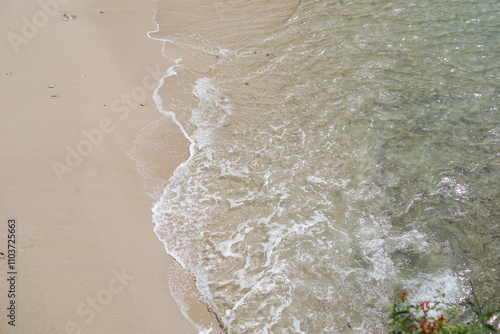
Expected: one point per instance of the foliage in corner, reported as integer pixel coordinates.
(431, 317)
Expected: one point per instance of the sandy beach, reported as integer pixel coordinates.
(76, 83)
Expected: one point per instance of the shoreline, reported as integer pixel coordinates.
(190, 41)
(76, 95)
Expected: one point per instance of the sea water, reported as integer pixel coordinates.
(341, 152)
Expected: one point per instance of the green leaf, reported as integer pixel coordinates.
(401, 312)
(491, 314)
(491, 328)
(473, 307)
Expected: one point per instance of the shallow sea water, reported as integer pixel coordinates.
(341, 152)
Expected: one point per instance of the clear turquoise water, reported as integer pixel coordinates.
(343, 154)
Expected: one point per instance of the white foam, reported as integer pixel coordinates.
(159, 105)
(158, 209)
(272, 240)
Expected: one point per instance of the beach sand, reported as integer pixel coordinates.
(76, 82)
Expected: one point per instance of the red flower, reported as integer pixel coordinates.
(425, 306)
(404, 297)
(440, 321)
(432, 327)
(423, 327)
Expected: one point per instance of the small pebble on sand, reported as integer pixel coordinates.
(68, 17)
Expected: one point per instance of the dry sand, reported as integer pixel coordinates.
(87, 260)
